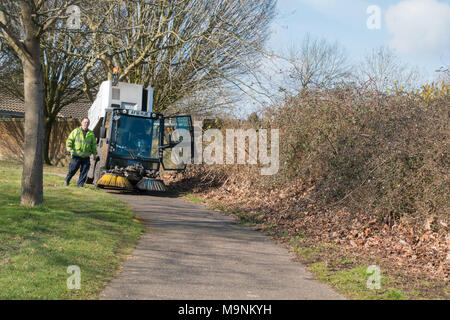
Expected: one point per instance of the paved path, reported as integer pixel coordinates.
(192, 253)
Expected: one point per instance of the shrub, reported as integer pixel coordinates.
(383, 153)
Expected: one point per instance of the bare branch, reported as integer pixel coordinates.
(12, 40)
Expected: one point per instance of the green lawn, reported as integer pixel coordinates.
(84, 227)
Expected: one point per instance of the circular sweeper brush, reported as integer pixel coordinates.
(111, 180)
(148, 184)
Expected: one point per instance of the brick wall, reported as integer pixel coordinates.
(11, 139)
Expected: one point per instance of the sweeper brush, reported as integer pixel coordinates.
(110, 180)
(148, 184)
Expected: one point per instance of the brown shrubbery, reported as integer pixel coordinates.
(386, 155)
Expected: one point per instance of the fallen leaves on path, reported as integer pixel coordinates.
(420, 248)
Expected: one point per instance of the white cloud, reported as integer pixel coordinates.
(419, 27)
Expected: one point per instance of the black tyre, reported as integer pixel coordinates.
(98, 172)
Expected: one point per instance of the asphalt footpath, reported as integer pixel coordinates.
(189, 252)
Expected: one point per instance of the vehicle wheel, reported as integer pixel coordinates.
(90, 175)
(98, 173)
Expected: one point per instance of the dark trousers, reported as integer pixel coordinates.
(74, 165)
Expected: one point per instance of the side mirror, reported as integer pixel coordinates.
(102, 132)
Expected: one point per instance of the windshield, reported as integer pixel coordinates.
(135, 137)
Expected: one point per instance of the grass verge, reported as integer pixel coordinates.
(84, 227)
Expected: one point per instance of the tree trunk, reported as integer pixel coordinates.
(47, 133)
(32, 179)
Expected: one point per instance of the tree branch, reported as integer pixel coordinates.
(15, 43)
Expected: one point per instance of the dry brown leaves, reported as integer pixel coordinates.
(421, 248)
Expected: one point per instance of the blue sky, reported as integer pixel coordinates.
(418, 31)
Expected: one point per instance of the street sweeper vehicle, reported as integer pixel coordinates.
(133, 142)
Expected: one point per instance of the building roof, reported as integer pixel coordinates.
(77, 110)
(14, 107)
(10, 104)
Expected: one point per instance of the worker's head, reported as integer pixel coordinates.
(85, 123)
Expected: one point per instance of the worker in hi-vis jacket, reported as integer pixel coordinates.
(81, 143)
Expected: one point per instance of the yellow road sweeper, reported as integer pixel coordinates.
(133, 142)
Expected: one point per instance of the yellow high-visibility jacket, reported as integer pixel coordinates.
(80, 145)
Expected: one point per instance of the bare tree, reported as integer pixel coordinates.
(61, 78)
(212, 102)
(177, 47)
(317, 63)
(22, 24)
(11, 72)
(381, 69)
